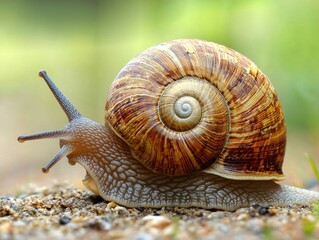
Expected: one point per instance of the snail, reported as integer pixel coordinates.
(188, 123)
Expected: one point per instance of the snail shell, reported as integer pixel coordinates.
(189, 105)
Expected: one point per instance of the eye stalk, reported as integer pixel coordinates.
(68, 108)
(71, 112)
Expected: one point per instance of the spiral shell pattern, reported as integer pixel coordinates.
(189, 105)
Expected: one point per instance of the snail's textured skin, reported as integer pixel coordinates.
(123, 179)
(243, 115)
(241, 133)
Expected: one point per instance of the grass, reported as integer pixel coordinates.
(309, 226)
(267, 233)
(313, 166)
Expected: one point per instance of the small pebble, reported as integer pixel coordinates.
(198, 214)
(255, 224)
(263, 210)
(120, 210)
(141, 209)
(64, 220)
(160, 222)
(272, 211)
(100, 224)
(19, 223)
(111, 205)
(144, 236)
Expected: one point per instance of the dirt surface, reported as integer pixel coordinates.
(64, 212)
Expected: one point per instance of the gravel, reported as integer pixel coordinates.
(61, 211)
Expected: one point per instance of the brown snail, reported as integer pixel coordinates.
(188, 123)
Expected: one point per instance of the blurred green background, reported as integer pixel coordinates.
(84, 44)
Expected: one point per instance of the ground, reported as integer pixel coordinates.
(62, 211)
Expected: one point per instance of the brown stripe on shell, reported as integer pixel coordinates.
(256, 139)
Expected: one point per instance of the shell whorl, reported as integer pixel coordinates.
(188, 105)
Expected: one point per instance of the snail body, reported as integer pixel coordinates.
(188, 123)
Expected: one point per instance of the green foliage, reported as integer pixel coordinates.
(313, 166)
(84, 45)
(95, 39)
(267, 233)
(309, 225)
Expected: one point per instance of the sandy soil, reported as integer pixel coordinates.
(61, 211)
